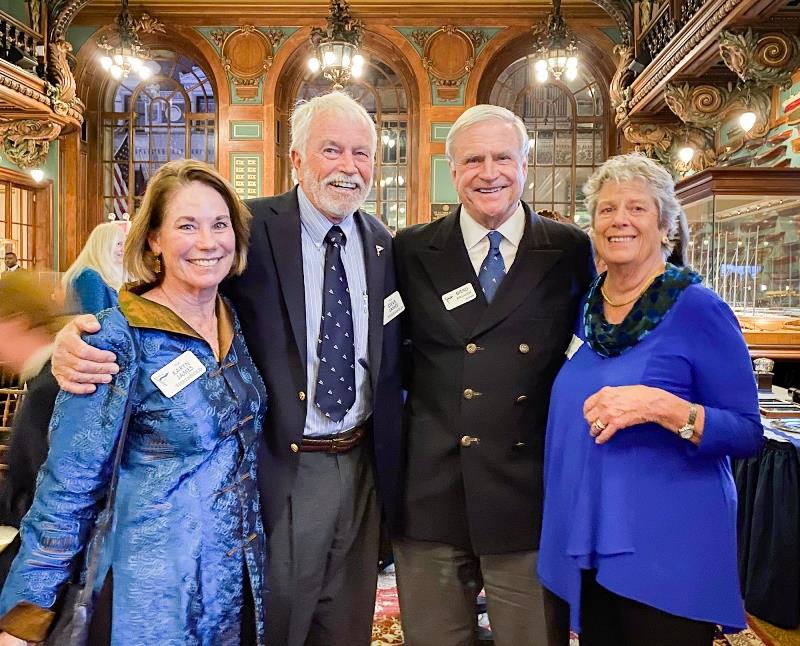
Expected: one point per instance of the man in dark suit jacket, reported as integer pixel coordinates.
(321, 455)
(491, 294)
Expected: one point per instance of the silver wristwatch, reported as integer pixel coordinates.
(687, 430)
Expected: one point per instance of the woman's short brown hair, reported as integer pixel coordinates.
(139, 259)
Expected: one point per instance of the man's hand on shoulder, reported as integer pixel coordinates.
(77, 366)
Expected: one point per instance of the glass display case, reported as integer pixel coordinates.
(744, 238)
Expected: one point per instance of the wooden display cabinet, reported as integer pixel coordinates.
(744, 238)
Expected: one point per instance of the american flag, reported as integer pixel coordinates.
(119, 178)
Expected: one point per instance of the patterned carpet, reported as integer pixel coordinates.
(386, 629)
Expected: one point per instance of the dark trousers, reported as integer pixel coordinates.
(608, 619)
(323, 565)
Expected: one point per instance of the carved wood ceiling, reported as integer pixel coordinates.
(213, 11)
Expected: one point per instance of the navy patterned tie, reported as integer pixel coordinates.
(336, 376)
(493, 269)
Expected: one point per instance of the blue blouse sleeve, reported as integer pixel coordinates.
(723, 378)
(91, 293)
(83, 437)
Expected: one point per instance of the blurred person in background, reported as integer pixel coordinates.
(11, 263)
(29, 320)
(92, 282)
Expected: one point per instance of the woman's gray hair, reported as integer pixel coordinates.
(338, 103)
(485, 112)
(636, 167)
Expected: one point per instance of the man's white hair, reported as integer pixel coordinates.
(485, 112)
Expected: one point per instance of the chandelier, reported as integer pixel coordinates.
(128, 54)
(556, 52)
(336, 46)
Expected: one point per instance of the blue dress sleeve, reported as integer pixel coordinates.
(83, 436)
(723, 378)
(90, 292)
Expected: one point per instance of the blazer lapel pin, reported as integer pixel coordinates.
(378, 248)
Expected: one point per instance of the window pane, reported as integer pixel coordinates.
(560, 147)
(152, 117)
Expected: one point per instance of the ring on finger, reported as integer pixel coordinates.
(597, 425)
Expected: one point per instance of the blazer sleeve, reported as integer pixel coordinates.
(90, 293)
(83, 437)
(723, 379)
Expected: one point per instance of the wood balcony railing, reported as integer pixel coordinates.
(18, 42)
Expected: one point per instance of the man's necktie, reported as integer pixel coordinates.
(336, 376)
(493, 269)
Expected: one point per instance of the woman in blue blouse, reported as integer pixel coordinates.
(656, 395)
(185, 560)
(93, 280)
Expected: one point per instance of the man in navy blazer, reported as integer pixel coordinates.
(321, 457)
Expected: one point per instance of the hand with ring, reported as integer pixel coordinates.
(616, 407)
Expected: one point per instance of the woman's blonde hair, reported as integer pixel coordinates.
(139, 259)
(98, 254)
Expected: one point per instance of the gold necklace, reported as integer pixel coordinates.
(638, 294)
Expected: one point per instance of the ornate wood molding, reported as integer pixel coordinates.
(246, 54)
(26, 142)
(62, 13)
(768, 58)
(660, 141)
(672, 56)
(619, 89)
(707, 106)
(448, 55)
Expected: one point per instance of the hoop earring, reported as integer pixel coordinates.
(664, 240)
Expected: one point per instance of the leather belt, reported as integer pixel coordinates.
(339, 443)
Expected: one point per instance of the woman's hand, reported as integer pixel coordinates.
(10, 640)
(615, 407)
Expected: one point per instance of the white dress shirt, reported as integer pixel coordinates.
(477, 243)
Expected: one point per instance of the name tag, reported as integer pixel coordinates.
(574, 345)
(393, 306)
(178, 374)
(459, 296)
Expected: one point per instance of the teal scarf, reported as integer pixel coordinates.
(609, 339)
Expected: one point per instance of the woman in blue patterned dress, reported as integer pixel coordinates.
(93, 280)
(656, 394)
(185, 560)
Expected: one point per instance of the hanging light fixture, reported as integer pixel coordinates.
(128, 54)
(556, 52)
(336, 46)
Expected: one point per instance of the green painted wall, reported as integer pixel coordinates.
(77, 36)
(17, 8)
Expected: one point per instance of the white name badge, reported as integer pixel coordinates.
(574, 346)
(393, 306)
(178, 374)
(459, 296)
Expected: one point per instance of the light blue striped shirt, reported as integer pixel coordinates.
(314, 226)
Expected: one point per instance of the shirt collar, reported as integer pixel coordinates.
(473, 232)
(316, 224)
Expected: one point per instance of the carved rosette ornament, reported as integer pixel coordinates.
(761, 58)
(27, 142)
(448, 54)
